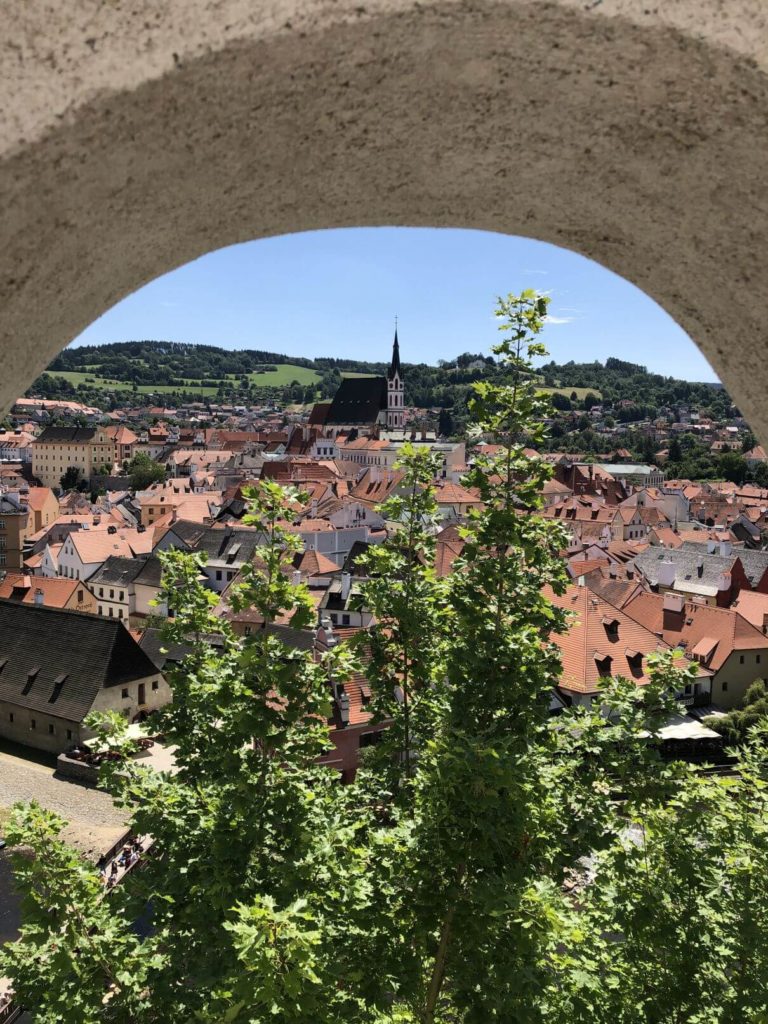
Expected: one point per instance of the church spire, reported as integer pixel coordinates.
(394, 366)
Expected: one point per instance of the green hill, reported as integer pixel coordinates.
(104, 374)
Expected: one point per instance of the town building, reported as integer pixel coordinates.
(720, 640)
(48, 592)
(126, 587)
(366, 404)
(58, 666)
(22, 514)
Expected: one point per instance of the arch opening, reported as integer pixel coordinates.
(628, 138)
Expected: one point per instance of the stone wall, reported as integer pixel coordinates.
(136, 137)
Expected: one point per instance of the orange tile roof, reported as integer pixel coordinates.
(591, 651)
(57, 590)
(98, 545)
(695, 624)
(753, 606)
(314, 563)
(37, 497)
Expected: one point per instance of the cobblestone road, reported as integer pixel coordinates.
(94, 822)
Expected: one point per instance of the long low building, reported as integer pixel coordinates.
(57, 666)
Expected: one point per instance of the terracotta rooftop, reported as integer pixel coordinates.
(696, 627)
(602, 641)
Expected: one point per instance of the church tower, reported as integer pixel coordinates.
(395, 390)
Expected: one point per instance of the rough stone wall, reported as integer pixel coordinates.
(135, 137)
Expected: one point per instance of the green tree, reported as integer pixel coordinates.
(445, 423)
(70, 479)
(733, 467)
(736, 726)
(144, 471)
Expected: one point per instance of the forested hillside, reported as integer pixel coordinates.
(104, 373)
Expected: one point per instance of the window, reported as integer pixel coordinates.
(247, 630)
(121, 595)
(111, 595)
(79, 597)
(218, 574)
(69, 734)
(757, 659)
(32, 723)
(345, 620)
(119, 613)
(741, 659)
(724, 686)
(111, 612)
(51, 731)
(124, 694)
(369, 738)
(10, 717)
(101, 609)
(101, 591)
(155, 685)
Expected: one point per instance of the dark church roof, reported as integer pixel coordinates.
(55, 662)
(358, 400)
(394, 366)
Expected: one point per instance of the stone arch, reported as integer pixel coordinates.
(135, 137)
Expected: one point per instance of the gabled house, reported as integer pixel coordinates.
(125, 587)
(721, 640)
(84, 551)
(57, 666)
(604, 641)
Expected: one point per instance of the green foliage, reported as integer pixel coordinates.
(144, 471)
(490, 862)
(737, 726)
(70, 479)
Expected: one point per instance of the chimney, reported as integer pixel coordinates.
(346, 585)
(39, 598)
(666, 574)
(296, 577)
(700, 568)
(674, 604)
(725, 548)
(343, 703)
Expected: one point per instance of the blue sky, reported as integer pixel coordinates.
(336, 293)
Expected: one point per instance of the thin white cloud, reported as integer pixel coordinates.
(559, 319)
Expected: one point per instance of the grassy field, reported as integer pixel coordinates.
(282, 375)
(351, 373)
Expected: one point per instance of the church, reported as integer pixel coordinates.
(366, 404)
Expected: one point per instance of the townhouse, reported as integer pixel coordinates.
(58, 666)
(125, 588)
(720, 640)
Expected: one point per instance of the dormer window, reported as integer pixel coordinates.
(58, 686)
(611, 627)
(31, 677)
(603, 662)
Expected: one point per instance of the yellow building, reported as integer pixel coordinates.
(87, 449)
(23, 513)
